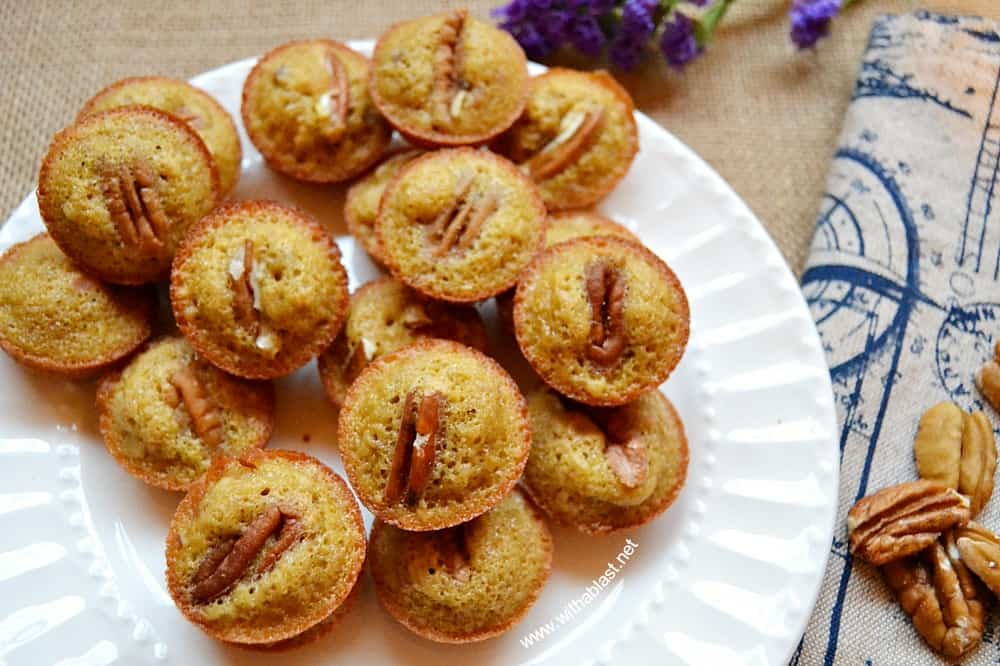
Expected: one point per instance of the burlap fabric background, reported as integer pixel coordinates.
(765, 117)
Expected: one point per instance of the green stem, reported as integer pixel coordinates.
(704, 28)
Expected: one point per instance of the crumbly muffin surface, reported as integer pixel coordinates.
(258, 289)
(166, 414)
(385, 316)
(120, 189)
(364, 196)
(555, 319)
(460, 225)
(449, 79)
(306, 107)
(55, 317)
(308, 579)
(192, 105)
(573, 224)
(569, 472)
(480, 441)
(468, 582)
(577, 136)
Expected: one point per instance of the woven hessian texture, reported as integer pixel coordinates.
(765, 117)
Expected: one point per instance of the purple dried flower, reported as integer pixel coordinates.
(699, 3)
(534, 24)
(811, 20)
(586, 36)
(633, 33)
(678, 42)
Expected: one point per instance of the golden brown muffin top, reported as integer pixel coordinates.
(192, 105)
(460, 225)
(57, 318)
(364, 196)
(385, 316)
(601, 319)
(433, 435)
(293, 537)
(576, 138)
(306, 108)
(258, 289)
(449, 79)
(120, 189)
(167, 413)
(465, 583)
(602, 469)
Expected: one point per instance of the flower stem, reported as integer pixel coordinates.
(704, 29)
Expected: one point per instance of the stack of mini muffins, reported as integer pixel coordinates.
(488, 201)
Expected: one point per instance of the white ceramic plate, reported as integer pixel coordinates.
(727, 576)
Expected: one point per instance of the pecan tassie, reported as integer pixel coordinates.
(941, 597)
(903, 520)
(957, 450)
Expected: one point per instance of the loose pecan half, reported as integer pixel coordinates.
(957, 450)
(625, 449)
(979, 549)
(903, 520)
(206, 418)
(605, 288)
(979, 460)
(988, 379)
(244, 297)
(450, 89)
(229, 560)
(134, 205)
(462, 219)
(938, 444)
(577, 130)
(940, 596)
(336, 101)
(416, 445)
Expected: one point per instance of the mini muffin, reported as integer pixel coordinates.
(601, 319)
(306, 108)
(264, 547)
(55, 317)
(449, 79)
(258, 289)
(466, 583)
(602, 469)
(385, 316)
(194, 106)
(562, 227)
(433, 435)
(317, 631)
(120, 189)
(576, 138)
(460, 225)
(167, 413)
(363, 197)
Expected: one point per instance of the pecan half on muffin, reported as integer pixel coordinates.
(460, 225)
(601, 320)
(449, 79)
(306, 108)
(433, 435)
(385, 316)
(577, 137)
(264, 547)
(181, 99)
(602, 469)
(364, 196)
(258, 289)
(120, 189)
(466, 583)
(57, 318)
(166, 414)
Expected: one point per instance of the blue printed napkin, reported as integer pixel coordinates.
(903, 280)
